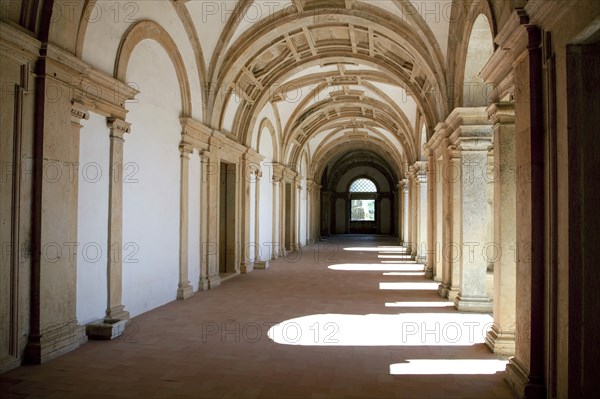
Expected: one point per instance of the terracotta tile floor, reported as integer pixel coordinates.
(191, 348)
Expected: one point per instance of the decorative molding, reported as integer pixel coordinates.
(78, 112)
(501, 113)
(118, 127)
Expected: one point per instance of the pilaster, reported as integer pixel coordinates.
(472, 136)
(184, 288)
(501, 338)
(116, 309)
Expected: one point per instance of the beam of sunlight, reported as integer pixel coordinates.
(404, 329)
(404, 274)
(419, 304)
(407, 257)
(400, 262)
(399, 250)
(375, 267)
(448, 366)
(408, 286)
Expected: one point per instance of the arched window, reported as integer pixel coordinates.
(363, 186)
(362, 203)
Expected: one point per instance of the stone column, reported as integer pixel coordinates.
(501, 338)
(405, 214)
(261, 261)
(450, 251)
(413, 208)
(473, 141)
(115, 308)
(283, 249)
(204, 205)
(454, 248)
(422, 218)
(248, 175)
(297, 214)
(276, 218)
(210, 172)
(431, 216)
(439, 221)
(184, 288)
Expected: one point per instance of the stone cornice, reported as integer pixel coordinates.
(550, 12)
(18, 44)
(512, 42)
(98, 91)
(502, 113)
(195, 133)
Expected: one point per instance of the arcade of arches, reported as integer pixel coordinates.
(152, 150)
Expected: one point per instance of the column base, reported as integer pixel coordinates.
(246, 267)
(214, 281)
(117, 312)
(443, 290)
(518, 378)
(453, 293)
(184, 291)
(500, 342)
(203, 284)
(473, 304)
(428, 273)
(105, 329)
(261, 264)
(55, 341)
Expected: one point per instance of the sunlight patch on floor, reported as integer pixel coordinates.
(410, 329)
(408, 286)
(443, 304)
(398, 250)
(404, 274)
(376, 267)
(447, 366)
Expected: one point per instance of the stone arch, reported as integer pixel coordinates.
(463, 19)
(268, 125)
(151, 30)
(480, 48)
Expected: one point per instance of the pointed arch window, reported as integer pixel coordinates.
(362, 200)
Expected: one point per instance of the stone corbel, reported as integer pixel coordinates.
(78, 112)
(118, 127)
(501, 113)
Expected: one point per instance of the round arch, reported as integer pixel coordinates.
(151, 30)
(462, 21)
(266, 124)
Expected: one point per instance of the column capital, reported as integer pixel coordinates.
(502, 113)
(118, 127)
(185, 150)
(78, 112)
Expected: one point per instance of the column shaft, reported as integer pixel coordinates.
(115, 308)
(184, 288)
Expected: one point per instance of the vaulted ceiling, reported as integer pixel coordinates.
(326, 71)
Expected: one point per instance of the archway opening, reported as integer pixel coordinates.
(479, 51)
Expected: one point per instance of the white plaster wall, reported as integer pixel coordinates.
(267, 200)
(92, 219)
(249, 251)
(269, 113)
(111, 19)
(303, 215)
(194, 220)
(151, 197)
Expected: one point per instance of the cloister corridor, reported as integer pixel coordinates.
(348, 316)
